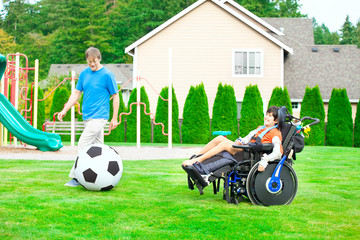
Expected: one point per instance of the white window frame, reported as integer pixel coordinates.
(247, 75)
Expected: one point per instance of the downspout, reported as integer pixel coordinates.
(282, 80)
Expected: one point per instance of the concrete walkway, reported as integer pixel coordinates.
(126, 153)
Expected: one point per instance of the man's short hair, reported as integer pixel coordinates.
(274, 110)
(92, 52)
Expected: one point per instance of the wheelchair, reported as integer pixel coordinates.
(277, 185)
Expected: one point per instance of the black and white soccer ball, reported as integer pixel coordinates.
(98, 167)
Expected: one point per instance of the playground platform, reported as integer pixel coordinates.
(126, 152)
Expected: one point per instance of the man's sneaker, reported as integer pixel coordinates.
(72, 183)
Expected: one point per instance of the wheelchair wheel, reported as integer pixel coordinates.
(258, 192)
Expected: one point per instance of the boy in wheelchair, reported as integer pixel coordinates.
(221, 143)
(258, 166)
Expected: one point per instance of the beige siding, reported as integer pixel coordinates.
(202, 43)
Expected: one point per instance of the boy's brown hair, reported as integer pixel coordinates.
(92, 52)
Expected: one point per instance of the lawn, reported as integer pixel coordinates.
(152, 202)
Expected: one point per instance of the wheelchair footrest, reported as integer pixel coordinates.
(199, 181)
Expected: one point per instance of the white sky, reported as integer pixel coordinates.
(331, 12)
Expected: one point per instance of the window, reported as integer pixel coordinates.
(247, 63)
(295, 105)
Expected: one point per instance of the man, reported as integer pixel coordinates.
(98, 84)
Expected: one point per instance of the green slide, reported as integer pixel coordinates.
(20, 128)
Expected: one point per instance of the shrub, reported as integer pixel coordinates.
(162, 116)
(339, 129)
(61, 96)
(117, 134)
(357, 127)
(185, 135)
(145, 124)
(225, 111)
(312, 105)
(252, 114)
(280, 97)
(196, 119)
(41, 107)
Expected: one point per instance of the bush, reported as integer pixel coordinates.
(339, 129)
(41, 107)
(225, 111)
(357, 127)
(145, 124)
(196, 125)
(280, 97)
(312, 105)
(61, 96)
(117, 134)
(162, 116)
(252, 114)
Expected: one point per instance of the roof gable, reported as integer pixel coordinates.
(222, 5)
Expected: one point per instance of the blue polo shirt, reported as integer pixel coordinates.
(97, 87)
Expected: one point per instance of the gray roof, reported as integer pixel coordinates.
(122, 72)
(325, 67)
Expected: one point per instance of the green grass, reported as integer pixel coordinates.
(152, 202)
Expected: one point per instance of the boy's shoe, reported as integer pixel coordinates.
(72, 183)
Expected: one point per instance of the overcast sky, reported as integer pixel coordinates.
(331, 12)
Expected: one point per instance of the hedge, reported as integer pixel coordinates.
(225, 111)
(312, 106)
(196, 124)
(145, 124)
(252, 114)
(162, 116)
(339, 129)
(357, 127)
(280, 97)
(61, 96)
(117, 134)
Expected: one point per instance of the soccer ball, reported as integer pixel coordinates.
(98, 167)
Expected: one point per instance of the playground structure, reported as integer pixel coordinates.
(19, 126)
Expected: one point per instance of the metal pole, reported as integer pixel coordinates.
(138, 126)
(72, 110)
(36, 93)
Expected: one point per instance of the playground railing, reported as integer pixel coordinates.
(64, 127)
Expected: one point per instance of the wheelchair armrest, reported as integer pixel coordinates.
(266, 146)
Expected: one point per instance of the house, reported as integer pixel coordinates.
(123, 74)
(215, 41)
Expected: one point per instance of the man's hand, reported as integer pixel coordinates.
(61, 115)
(113, 124)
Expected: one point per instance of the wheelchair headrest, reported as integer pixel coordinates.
(282, 113)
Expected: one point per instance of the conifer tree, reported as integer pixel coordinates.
(162, 116)
(252, 114)
(313, 106)
(186, 137)
(145, 124)
(197, 119)
(61, 96)
(225, 111)
(280, 97)
(117, 134)
(339, 129)
(357, 127)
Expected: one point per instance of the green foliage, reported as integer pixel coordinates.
(252, 113)
(145, 124)
(313, 106)
(347, 32)
(61, 96)
(117, 134)
(225, 111)
(280, 97)
(323, 36)
(162, 116)
(339, 129)
(196, 123)
(41, 107)
(357, 127)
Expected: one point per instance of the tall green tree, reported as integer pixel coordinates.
(252, 113)
(186, 136)
(339, 129)
(224, 116)
(280, 97)
(357, 127)
(323, 36)
(313, 106)
(196, 124)
(347, 32)
(145, 124)
(162, 116)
